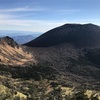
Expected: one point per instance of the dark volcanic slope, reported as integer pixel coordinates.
(76, 34)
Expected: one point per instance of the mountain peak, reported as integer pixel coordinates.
(77, 25)
(8, 41)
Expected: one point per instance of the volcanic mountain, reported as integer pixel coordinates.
(72, 51)
(79, 35)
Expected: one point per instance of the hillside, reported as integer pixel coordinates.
(12, 54)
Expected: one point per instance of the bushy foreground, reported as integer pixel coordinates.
(23, 89)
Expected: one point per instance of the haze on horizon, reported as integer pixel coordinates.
(43, 15)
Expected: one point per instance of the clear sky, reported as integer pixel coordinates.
(43, 15)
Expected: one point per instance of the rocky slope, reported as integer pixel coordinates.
(12, 54)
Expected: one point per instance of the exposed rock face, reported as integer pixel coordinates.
(87, 35)
(8, 41)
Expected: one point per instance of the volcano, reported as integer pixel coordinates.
(73, 50)
(79, 35)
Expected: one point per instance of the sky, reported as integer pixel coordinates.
(43, 15)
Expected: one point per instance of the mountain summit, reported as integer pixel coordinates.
(80, 35)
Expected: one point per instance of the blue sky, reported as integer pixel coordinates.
(43, 15)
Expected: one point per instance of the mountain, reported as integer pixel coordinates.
(25, 38)
(79, 35)
(69, 54)
(11, 53)
(21, 37)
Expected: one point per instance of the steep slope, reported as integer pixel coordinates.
(86, 35)
(11, 53)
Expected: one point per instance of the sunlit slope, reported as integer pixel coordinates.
(12, 54)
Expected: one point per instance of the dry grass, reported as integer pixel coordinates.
(5, 90)
(14, 56)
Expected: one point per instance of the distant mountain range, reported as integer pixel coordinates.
(25, 38)
(13, 33)
(20, 37)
